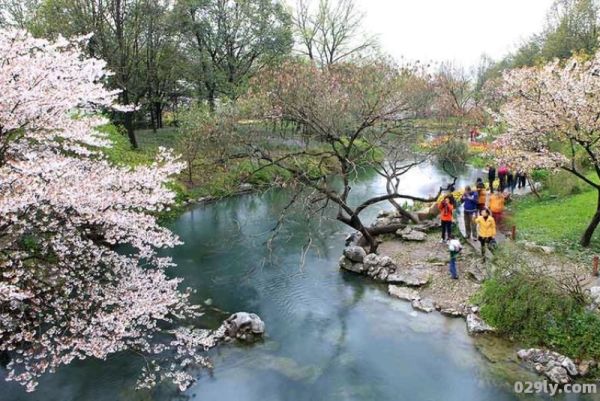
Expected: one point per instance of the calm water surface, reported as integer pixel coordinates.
(331, 335)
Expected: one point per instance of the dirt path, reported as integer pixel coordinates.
(432, 257)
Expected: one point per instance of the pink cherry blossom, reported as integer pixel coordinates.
(79, 271)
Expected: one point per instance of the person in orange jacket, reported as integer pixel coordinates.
(497, 206)
(481, 195)
(446, 209)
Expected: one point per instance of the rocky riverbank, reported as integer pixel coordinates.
(414, 264)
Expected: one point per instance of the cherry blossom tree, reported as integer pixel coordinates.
(81, 276)
(553, 121)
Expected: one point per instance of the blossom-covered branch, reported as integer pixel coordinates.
(66, 291)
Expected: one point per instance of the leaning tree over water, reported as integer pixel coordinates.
(353, 115)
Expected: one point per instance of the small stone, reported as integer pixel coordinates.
(558, 375)
(423, 305)
(412, 278)
(475, 273)
(524, 354)
(386, 261)
(570, 366)
(476, 325)
(244, 326)
(584, 367)
(595, 294)
(451, 312)
(403, 231)
(404, 293)
(371, 260)
(355, 253)
(347, 264)
(414, 235)
(246, 187)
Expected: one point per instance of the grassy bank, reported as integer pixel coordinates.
(556, 221)
(560, 217)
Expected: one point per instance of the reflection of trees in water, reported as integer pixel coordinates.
(332, 363)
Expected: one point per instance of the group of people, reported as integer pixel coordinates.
(508, 179)
(482, 212)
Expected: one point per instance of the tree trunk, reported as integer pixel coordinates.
(586, 238)
(128, 122)
(158, 114)
(403, 212)
(367, 238)
(532, 186)
(153, 119)
(211, 98)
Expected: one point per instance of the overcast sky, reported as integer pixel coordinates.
(455, 30)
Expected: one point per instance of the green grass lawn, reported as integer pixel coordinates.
(558, 221)
(150, 140)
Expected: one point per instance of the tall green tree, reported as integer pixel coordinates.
(228, 41)
(573, 26)
(130, 35)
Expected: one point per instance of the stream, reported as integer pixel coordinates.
(331, 335)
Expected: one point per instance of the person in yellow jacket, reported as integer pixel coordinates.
(486, 227)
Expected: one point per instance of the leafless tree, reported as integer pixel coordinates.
(331, 31)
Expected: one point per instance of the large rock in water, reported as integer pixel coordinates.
(476, 325)
(355, 253)
(244, 326)
(349, 265)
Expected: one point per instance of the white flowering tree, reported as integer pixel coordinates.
(553, 121)
(65, 290)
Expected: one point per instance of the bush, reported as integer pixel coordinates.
(525, 302)
(540, 175)
(564, 183)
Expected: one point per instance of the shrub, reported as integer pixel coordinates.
(539, 175)
(524, 301)
(564, 183)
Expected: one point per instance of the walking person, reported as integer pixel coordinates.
(481, 196)
(502, 173)
(522, 179)
(454, 247)
(511, 181)
(446, 210)
(470, 200)
(491, 177)
(486, 226)
(497, 206)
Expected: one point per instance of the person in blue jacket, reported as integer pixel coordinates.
(469, 201)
